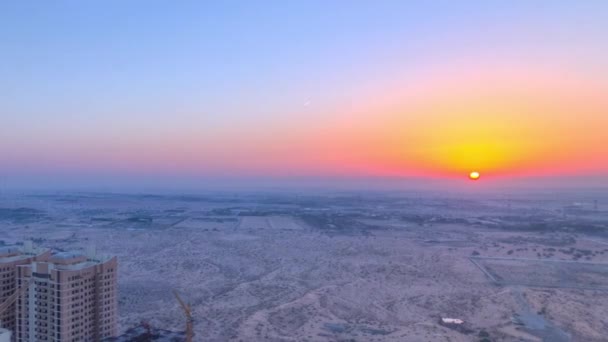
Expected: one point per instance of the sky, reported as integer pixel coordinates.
(121, 93)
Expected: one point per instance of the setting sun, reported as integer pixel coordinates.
(474, 175)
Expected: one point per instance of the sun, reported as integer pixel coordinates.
(474, 175)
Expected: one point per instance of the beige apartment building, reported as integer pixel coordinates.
(70, 297)
(10, 258)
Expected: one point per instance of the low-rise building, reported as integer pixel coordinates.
(5, 335)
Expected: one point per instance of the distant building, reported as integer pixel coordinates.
(69, 297)
(148, 333)
(10, 258)
(5, 335)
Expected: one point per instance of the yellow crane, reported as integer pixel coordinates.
(188, 312)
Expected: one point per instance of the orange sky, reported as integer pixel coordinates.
(361, 89)
(501, 122)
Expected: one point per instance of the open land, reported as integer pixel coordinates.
(342, 267)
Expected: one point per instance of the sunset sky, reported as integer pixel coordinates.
(115, 92)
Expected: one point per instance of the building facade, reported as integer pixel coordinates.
(69, 297)
(10, 258)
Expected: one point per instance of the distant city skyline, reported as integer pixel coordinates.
(178, 95)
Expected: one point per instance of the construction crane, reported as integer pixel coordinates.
(188, 312)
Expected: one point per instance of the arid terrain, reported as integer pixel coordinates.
(342, 267)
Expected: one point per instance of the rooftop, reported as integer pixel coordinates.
(75, 260)
(9, 251)
(16, 252)
(68, 258)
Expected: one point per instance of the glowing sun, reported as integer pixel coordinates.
(474, 175)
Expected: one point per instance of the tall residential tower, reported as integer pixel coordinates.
(10, 258)
(69, 297)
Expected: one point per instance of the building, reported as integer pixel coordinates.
(10, 258)
(145, 332)
(5, 335)
(69, 297)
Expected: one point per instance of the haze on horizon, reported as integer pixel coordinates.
(149, 95)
